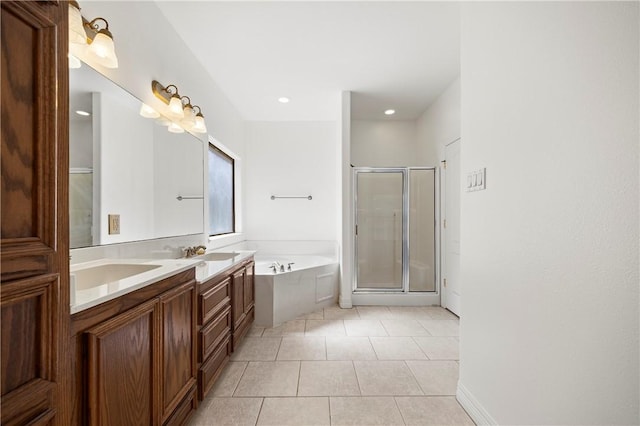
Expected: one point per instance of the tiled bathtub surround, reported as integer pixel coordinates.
(362, 366)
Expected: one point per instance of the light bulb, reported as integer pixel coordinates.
(199, 126)
(103, 50)
(148, 112)
(175, 107)
(175, 128)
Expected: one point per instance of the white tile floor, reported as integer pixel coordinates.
(360, 366)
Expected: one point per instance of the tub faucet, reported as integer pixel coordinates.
(289, 265)
(281, 268)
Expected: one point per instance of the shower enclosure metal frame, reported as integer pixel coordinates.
(405, 230)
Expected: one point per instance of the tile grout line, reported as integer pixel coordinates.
(420, 347)
(259, 411)
(238, 383)
(355, 371)
(395, 400)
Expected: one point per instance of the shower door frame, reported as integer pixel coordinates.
(405, 230)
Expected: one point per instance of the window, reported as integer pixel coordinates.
(221, 192)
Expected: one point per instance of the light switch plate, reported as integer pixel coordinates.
(114, 224)
(477, 180)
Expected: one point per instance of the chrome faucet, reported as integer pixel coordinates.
(193, 251)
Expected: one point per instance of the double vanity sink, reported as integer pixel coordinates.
(98, 281)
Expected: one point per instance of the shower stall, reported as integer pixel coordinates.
(395, 230)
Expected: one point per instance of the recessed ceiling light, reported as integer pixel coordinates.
(82, 113)
(283, 100)
(390, 112)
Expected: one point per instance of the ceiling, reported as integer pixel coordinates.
(398, 55)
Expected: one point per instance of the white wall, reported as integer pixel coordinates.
(149, 49)
(291, 159)
(384, 143)
(439, 125)
(178, 170)
(345, 219)
(126, 169)
(549, 262)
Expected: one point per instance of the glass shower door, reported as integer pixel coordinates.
(379, 230)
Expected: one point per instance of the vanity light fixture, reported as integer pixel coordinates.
(101, 43)
(90, 37)
(390, 112)
(77, 35)
(199, 127)
(189, 119)
(148, 112)
(184, 113)
(283, 100)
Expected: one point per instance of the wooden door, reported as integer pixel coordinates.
(179, 346)
(122, 365)
(34, 279)
(248, 287)
(237, 308)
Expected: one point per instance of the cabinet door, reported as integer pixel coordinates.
(34, 287)
(237, 308)
(248, 288)
(122, 368)
(179, 346)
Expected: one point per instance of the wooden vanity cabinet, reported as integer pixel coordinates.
(34, 235)
(225, 313)
(243, 302)
(136, 356)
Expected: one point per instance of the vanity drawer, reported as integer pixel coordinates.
(211, 369)
(213, 333)
(214, 300)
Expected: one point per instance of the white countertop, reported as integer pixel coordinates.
(87, 298)
(208, 269)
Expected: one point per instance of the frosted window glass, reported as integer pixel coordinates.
(221, 170)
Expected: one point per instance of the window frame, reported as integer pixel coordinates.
(222, 153)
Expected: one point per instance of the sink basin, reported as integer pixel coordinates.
(103, 274)
(218, 256)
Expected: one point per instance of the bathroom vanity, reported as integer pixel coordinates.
(144, 349)
(225, 313)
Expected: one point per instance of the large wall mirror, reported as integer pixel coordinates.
(124, 164)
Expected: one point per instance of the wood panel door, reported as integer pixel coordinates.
(249, 288)
(122, 365)
(237, 307)
(34, 249)
(179, 346)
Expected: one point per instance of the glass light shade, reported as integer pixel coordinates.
(189, 119)
(103, 50)
(199, 127)
(77, 35)
(175, 128)
(74, 62)
(175, 107)
(148, 112)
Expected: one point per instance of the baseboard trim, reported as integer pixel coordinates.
(471, 405)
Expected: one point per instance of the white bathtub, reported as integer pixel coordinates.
(312, 284)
